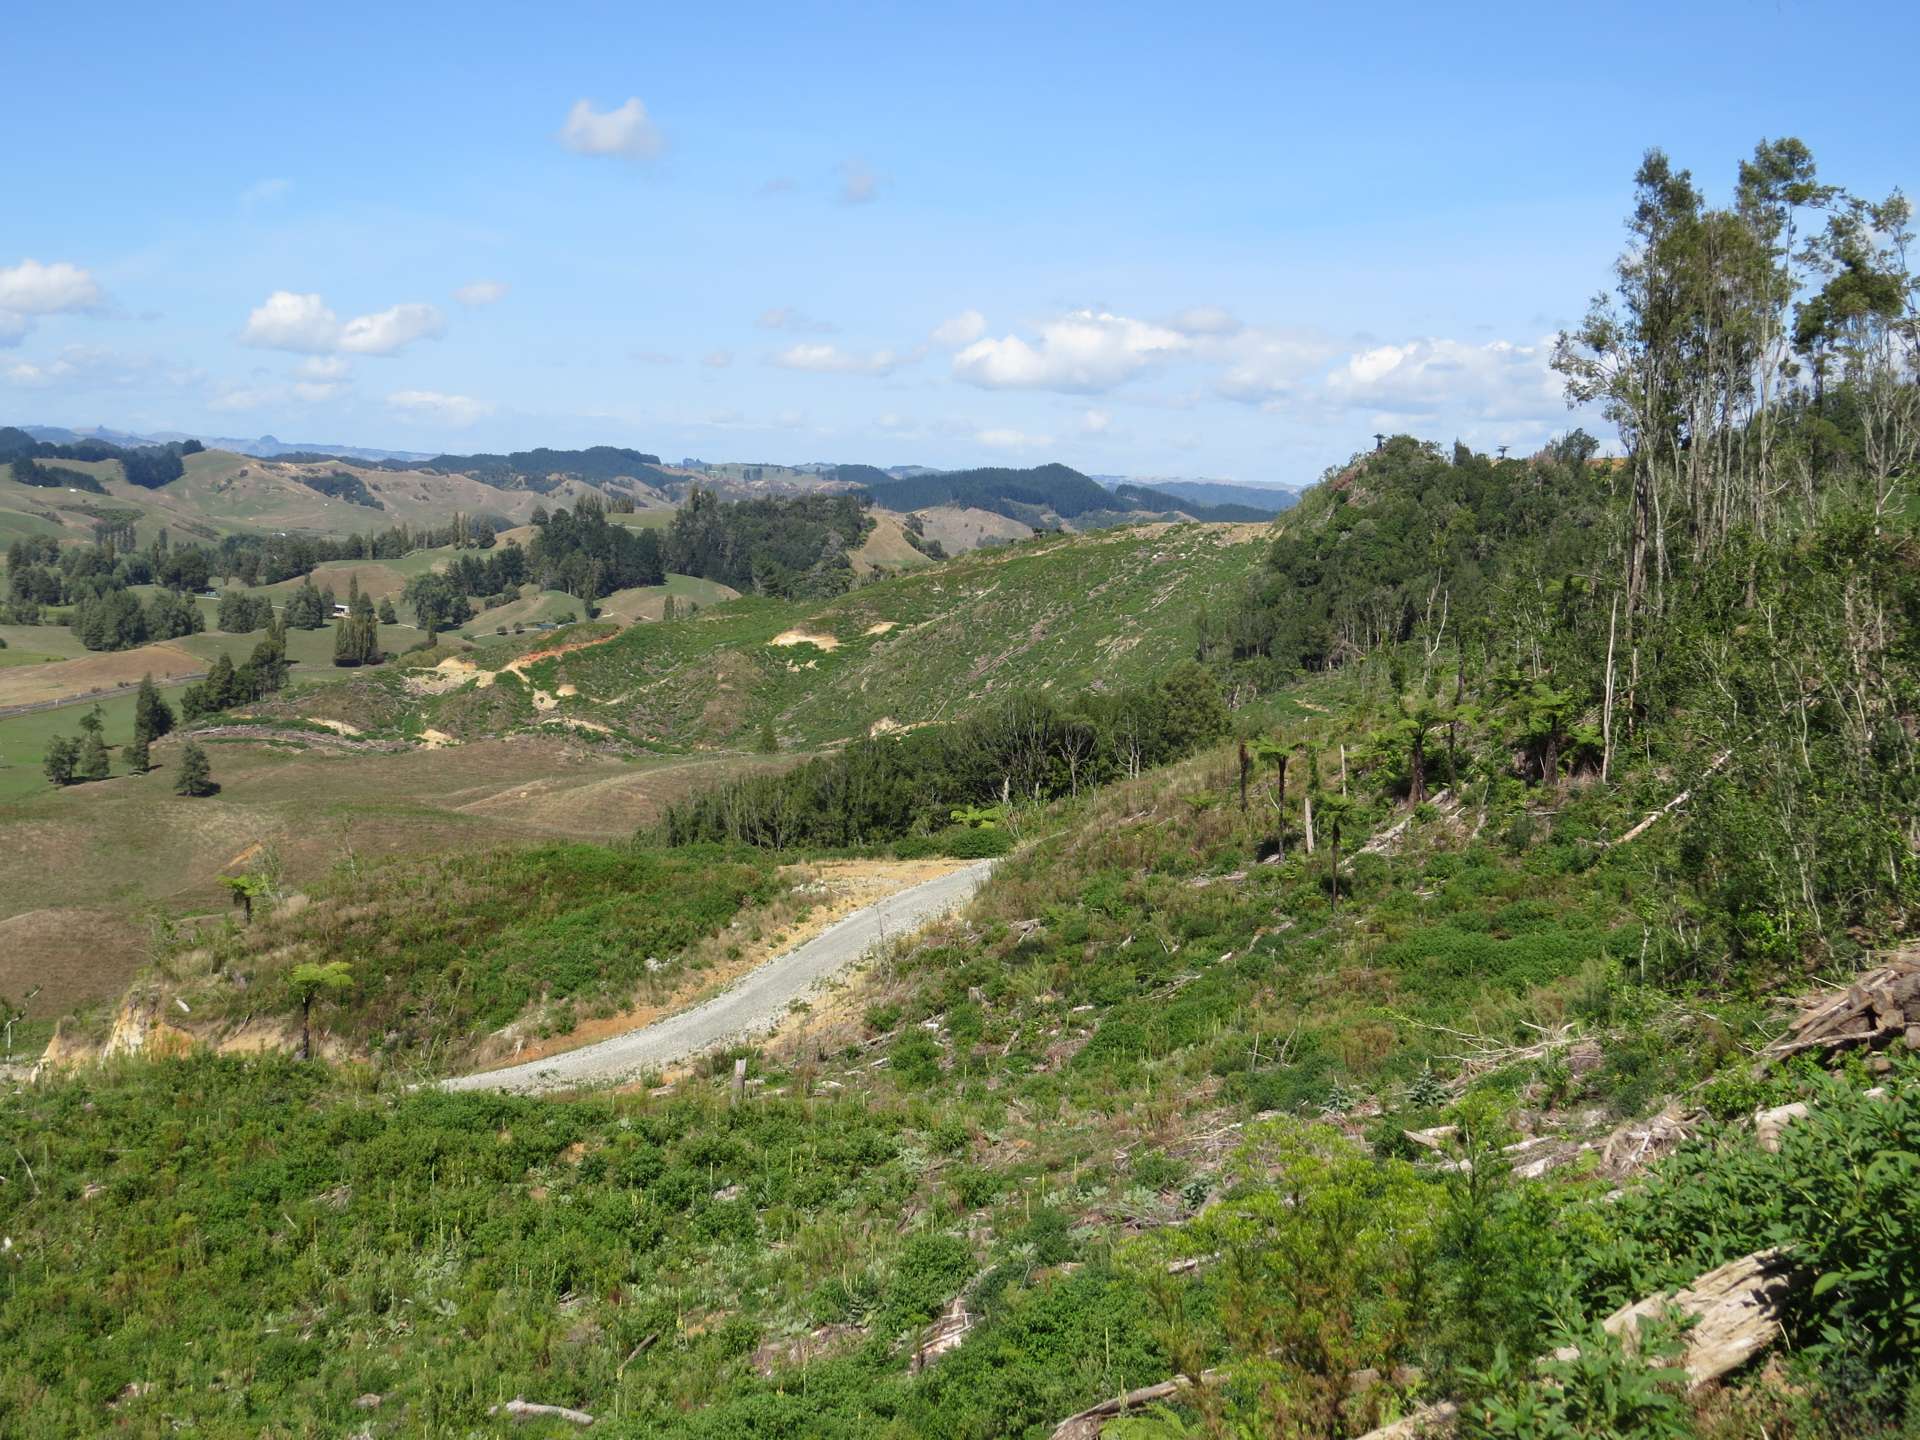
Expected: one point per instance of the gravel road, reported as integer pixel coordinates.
(755, 1005)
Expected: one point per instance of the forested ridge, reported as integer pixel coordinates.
(1027, 495)
(1363, 1011)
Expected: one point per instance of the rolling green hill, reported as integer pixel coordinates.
(1061, 612)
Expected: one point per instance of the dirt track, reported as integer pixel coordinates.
(754, 1006)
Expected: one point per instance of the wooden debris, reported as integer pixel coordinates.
(1881, 1006)
(1735, 1309)
(1088, 1424)
(1768, 1124)
(519, 1411)
(1201, 882)
(1736, 1315)
(1434, 1139)
(1674, 804)
(1639, 1143)
(949, 1332)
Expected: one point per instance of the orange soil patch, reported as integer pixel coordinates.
(535, 655)
(109, 670)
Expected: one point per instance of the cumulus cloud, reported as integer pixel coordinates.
(831, 359)
(628, 132)
(1083, 352)
(305, 325)
(432, 405)
(1452, 379)
(30, 289)
(390, 331)
(481, 292)
(858, 184)
(962, 329)
(1267, 367)
(292, 322)
(1095, 422)
(798, 322)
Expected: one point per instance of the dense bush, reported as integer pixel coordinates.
(1027, 748)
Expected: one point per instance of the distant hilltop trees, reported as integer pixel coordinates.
(148, 466)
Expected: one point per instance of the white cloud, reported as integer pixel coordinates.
(390, 331)
(453, 410)
(1205, 320)
(831, 359)
(305, 325)
(717, 359)
(481, 292)
(999, 439)
(95, 366)
(1453, 380)
(798, 322)
(858, 184)
(628, 131)
(962, 329)
(1267, 367)
(292, 322)
(1083, 352)
(31, 288)
(1095, 422)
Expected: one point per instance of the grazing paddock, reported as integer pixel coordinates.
(120, 848)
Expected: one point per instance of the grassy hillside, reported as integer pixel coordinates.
(1142, 1048)
(1066, 612)
(223, 493)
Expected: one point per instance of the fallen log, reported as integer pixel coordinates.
(520, 1411)
(1736, 1313)
(1088, 1424)
(1879, 1006)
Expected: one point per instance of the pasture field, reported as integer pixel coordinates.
(115, 856)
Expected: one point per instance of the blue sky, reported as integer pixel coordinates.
(1204, 240)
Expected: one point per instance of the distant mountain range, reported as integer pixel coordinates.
(266, 447)
(1267, 498)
